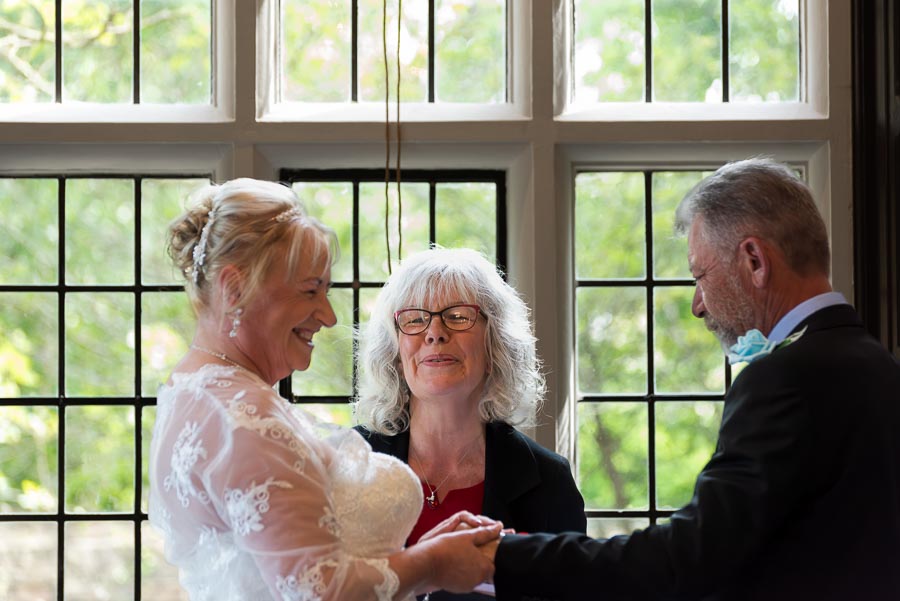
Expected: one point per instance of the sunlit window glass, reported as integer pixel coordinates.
(449, 51)
(470, 51)
(702, 51)
(176, 51)
(98, 51)
(81, 344)
(27, 51)
(764, 55)
(110, 51)
(646, 419)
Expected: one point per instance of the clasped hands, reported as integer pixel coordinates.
(462, 551)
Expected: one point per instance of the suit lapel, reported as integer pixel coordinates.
(510, 470)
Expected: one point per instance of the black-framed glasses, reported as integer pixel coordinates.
(458, 318)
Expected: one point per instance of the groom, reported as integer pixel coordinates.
(801, 499)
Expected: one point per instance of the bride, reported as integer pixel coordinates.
(256, 500)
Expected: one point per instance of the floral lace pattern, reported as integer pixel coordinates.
(245, 507)
(246, 415)
(187, 450)
(308, 587)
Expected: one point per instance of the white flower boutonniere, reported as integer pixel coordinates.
(753, 345)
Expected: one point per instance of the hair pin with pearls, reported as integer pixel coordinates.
(290, 215)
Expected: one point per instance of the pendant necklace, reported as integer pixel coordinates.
(432, 500)
(220, 356)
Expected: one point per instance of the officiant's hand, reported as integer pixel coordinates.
(461, 520)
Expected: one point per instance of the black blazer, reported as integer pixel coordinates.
(801, 499)
(526, 486)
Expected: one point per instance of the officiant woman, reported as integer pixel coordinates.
(448, 367)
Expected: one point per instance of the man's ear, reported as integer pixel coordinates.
(231, 283)
(754, 255)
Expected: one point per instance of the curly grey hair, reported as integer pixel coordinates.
(515, 386)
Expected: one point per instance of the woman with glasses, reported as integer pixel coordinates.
(448, 365)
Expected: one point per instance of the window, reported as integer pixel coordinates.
(93, 320)
(637, 50)
(647, 417)
(568, 188)
(120, 51)
(450, 51)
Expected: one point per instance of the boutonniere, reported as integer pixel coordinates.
(754, 345)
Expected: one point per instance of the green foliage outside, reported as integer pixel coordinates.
(612, 354)
(97, 52)
(686, 50)
(470, 57)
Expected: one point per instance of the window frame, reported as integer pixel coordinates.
(271, 109)
(222, 84)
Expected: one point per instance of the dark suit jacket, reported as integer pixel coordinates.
(526, 486)
(801, 499)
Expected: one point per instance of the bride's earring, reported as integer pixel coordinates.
(235, 323)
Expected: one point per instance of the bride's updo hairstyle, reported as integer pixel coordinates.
(249, 224)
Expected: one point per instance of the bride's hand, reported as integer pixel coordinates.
(460, 520)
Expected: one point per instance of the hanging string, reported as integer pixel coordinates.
(387, 134)
(399, 145)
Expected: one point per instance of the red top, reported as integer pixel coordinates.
(468, 499)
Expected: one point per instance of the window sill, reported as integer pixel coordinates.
(691, 111)
(92, 112)
(362, 112)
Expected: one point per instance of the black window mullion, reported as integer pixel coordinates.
(354, 235)
(726, 68)
(431, 62)
(136, 54)
(500, 228)
(648, 50)
(354, 50)
(138, 378)
(61, 379)
(506, 63)
(651, 344)
(58, 50)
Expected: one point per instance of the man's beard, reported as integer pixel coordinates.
(726, 335)
(736, 320)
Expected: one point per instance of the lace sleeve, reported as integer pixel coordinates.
(271, 485)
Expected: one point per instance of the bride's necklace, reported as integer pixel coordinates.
(220, 356)
(431, 500)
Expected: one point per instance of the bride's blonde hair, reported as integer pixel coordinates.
(247, 223)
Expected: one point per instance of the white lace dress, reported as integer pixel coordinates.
(258, 501)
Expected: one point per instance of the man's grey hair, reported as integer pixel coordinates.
(764, 198)
(515, 386)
